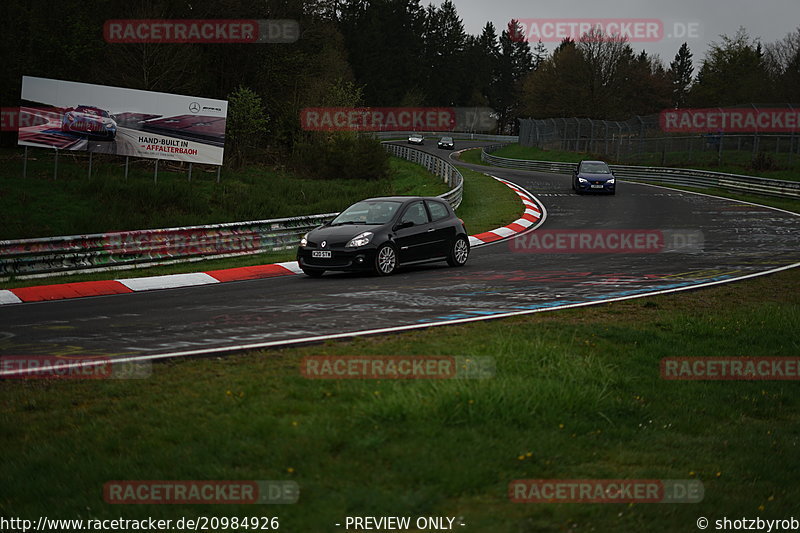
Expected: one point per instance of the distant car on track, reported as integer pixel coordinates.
(593, 176)
(90, 121)
(446, 143)
(382, 234)
(416, 138)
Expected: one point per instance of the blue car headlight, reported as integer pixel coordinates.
(611, 181)
(583, 180)
(362, 239)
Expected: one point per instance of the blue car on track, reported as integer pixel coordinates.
(593, 176)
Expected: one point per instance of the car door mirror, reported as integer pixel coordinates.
(404, 225)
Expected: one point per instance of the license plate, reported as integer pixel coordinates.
(321, 254)
(597, 186)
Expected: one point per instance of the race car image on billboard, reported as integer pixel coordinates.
(68, 115)
(90, 121)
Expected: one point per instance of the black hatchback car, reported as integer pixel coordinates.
(382, 234)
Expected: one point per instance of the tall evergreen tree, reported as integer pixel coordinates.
(732, 73)
(681, 72)
(515, 61)
(539, 54)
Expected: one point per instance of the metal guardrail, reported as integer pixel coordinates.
(674, 176)
(30, 258)
(110, 251)
(436, 165)
(454, 134)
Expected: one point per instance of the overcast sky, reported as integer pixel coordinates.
(769, 20)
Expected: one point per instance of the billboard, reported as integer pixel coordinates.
(112, 120)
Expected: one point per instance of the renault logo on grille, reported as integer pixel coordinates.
(324, 244)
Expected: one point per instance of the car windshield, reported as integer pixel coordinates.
(595, 168)
(92, 111)
(447, 139)
(368, 212)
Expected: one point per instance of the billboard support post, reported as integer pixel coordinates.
(190, 172)
(155, 173)
(218, 169)
(90, 165)
(55, 166)
(25, 163)
(126, 167)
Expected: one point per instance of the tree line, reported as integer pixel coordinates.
(382, 53)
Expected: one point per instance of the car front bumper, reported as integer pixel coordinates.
(605, 187)
(342, 259)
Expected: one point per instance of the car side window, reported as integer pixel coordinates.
(415, 213)
(438, 211)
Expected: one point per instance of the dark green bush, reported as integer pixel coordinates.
(341, 156)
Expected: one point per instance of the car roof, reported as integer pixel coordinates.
(593, 161)
(401, 198)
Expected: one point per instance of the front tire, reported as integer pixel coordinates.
(385, 260)
(459, 253)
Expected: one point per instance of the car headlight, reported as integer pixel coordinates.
(361, 239)
(583, 180)
(304, 240)
(611, 180)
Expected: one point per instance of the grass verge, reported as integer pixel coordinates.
(487, 204)
(577, 394)
(40, 206)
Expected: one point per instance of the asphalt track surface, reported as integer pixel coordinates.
(737, 240)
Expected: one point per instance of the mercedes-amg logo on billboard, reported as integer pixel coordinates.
(194, 107)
